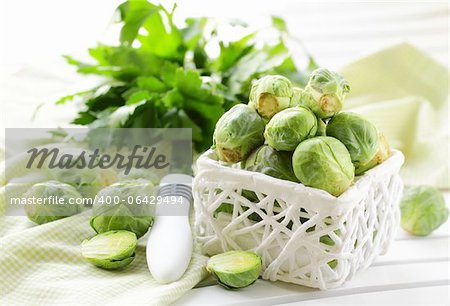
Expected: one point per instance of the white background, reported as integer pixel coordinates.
(336, 32)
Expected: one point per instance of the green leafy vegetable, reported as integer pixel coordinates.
(271, 162)
(270, 94)
(160, 75)
(237, 133)
(359, 135)
(324, 94)
(290, 127)
(323, 162)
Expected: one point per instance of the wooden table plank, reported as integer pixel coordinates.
(375, 279)
(436, 295)
(412, 251)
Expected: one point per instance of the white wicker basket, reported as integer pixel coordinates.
(285, 221)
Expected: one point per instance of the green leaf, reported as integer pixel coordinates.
(84, 118)
(189, 82)
(255, 64)
(112, 97)
(164, 42)
(138, 96)
(279, 24)
(231, 52)
(133, 14)
(151, 84)
(122, 114)
(75, 95)
(168, 73)
(177, 118)
(193, 31)
(72, 61)
(173, 98)
(144, 116)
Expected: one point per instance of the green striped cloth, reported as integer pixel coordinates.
(42, 265)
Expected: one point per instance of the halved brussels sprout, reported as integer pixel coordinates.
(235, 269)
(323, 162)
(237, 133)
(122, 206)
(423, 210)
(110, 250)
(358, 134)
(383, 153)
(57, 201)
(325, 93)
(271, 162)
(289, 127)
(271, 94)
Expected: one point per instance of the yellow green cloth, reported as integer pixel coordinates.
(404, 92)
(42, 265)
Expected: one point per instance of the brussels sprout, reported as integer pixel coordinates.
(235, 269)
(289, 127)
(325, 93)
(123, 206)
(321, 127)
(271, 162)
(297, 94)
(323, 162)
(237, 133)
(423, 210)
(383, 153)
(271, 94)
(52, 200)
(110, 250)
(359, 136)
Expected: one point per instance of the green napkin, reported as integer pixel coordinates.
(42, 265)
(405, 94)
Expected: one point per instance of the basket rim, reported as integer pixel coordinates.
(390, 166)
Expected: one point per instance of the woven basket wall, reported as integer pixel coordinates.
(304, 235)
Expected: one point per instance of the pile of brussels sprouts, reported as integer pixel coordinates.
(300, 134)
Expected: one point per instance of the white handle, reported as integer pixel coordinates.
(169, 248)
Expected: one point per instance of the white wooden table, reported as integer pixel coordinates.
(415, 271)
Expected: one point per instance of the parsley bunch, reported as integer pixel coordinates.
(160, 76)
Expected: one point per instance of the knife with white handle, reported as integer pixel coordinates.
(169, 245)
